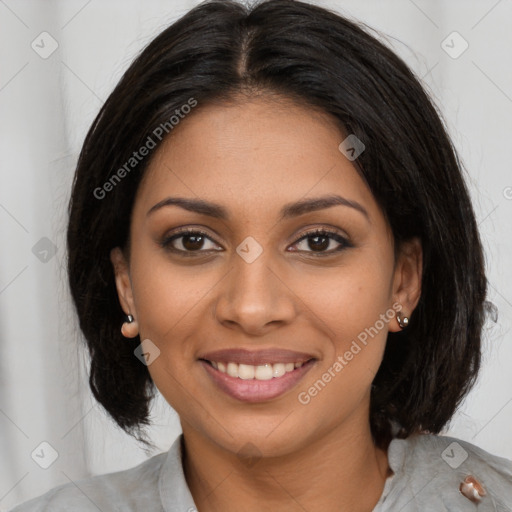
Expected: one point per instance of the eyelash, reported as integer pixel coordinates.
(333, 235)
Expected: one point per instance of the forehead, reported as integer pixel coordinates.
(252, 156)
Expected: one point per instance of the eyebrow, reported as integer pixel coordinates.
(288, 211)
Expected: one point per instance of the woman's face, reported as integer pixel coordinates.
(231, 311)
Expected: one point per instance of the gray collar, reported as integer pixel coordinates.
(176, 497)
(427, 473)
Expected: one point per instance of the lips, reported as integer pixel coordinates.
(256, 357)
(256, 376)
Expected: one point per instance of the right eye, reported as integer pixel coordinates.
(187, 242)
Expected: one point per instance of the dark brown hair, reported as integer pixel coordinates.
(318, 58)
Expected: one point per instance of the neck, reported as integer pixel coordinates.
(336, 472)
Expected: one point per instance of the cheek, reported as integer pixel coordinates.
(348, 298)
(352, 301)
(166, 294)
(168, 302)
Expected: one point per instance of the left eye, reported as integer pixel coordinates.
(193, 241)
(319, 241)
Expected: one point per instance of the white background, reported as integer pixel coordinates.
(46, 106)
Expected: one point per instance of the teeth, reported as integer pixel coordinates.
(265, 372)
(249, 372)
(278, 370)
(246, 371)
(232, 370)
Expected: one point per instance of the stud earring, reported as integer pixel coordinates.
(126, 329)
(402, 321)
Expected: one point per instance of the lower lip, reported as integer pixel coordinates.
(256, 390)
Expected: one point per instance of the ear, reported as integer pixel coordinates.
(124, 290)
(407, 278)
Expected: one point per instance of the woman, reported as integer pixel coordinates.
(269, 225)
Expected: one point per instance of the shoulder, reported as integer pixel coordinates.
(430, 469)
(131, 489)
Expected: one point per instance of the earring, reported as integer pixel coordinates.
(126, 329)
(402, 321)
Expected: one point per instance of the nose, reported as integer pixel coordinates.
(255, 297)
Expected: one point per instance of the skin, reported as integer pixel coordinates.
(252, 157)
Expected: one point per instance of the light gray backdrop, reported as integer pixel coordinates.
(59, 60)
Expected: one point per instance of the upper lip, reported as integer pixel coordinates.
(256, 357)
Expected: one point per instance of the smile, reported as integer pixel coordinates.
(256, 376)
(266, 371)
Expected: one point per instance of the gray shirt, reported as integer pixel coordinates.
(427, 473)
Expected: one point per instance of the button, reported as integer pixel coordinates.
(472, 489)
